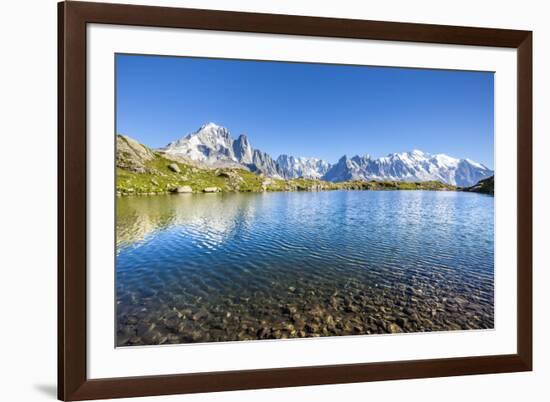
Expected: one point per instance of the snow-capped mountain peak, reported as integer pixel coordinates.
(209, 126)
(212, 133)
(292, 167)
(410, 166)
(212, 145)
(478, 165)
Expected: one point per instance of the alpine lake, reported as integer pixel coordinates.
(248, 266)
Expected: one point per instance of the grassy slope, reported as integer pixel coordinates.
(164, 180)
(160, 179)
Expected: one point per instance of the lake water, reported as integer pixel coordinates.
(226, 267)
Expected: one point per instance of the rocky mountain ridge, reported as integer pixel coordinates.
(143, 171)
(213, 146)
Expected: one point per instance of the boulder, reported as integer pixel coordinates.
(183, 189)
(174, 168)
(233, 176)
(267, 182)
(211, 190)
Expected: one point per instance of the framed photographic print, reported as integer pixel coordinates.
(253, 200)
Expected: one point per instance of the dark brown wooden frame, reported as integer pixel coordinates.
(73, 17)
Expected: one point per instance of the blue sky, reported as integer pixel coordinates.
(301, 109)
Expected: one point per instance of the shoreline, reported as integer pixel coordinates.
(282, 186)
(175, 193)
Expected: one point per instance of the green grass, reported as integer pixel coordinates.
(161, 179)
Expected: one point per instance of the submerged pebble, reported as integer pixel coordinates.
(214, 273)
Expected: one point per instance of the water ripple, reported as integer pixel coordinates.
(248, 266)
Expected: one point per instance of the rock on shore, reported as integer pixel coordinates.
(183, 189)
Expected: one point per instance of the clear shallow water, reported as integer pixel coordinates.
(225, 267)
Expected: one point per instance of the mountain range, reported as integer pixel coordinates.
(213, 146)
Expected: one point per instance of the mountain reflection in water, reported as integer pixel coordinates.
(224, 267)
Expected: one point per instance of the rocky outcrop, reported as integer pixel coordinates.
(485, 186)
(243, 151)
(174, 168)
(131, 155)
(264, 164)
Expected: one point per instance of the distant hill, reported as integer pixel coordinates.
(485, 186)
